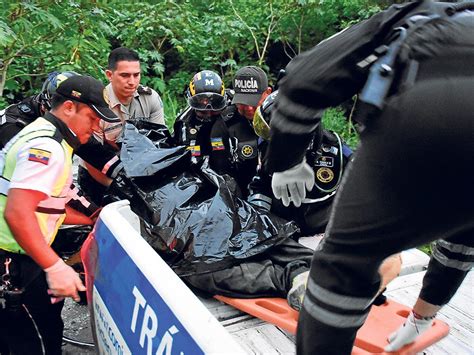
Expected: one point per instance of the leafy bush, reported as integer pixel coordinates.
(336, 120)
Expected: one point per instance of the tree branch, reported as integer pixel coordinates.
(248, 27)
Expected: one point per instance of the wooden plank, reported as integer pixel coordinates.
(413, 260)
(220, 310)
(258, 337)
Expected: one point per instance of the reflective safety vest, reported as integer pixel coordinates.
(50, 212)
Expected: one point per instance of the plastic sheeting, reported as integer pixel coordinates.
(189, 213)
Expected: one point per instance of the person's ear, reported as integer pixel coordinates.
(65, 111)
(69, 107)
(265, 94)
(108, 74)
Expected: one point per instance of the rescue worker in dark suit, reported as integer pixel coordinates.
(327, 154)
(412, 64)
(235, 144)
(217, 123)
(16, 116)
(207, 100)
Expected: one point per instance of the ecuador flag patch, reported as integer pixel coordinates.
(217, 144)
(39, 155)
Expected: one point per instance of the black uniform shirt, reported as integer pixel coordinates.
(193, 133)
(234, 148)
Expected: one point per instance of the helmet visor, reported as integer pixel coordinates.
(207, 101)
(260, 126)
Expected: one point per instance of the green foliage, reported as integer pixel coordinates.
(172, 109)
(335, 119)
(426, 249)
(174, 38)
(41, 36)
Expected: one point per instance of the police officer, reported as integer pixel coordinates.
(410, 64)
(207, 99)
(127, 98)
(129, 101)
(36, 173)
(235, 144)
(328, 156)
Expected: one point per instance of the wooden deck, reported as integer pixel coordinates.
(258, 337)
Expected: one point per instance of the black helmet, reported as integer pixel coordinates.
(51, 84)
(262, 116)
(206, 92)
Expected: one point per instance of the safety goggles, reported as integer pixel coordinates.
(207, 101)
(260, 126)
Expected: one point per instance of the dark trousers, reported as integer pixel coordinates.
(35, 325)
(410, 183)
(268, 274)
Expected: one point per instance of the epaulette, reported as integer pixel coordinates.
(144, 90)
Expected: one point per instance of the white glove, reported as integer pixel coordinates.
(63, 281)
(290, 185)
(408, 332)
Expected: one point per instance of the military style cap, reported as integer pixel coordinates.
(249, 84)
(89, 91)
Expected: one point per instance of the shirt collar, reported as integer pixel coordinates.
(65, 131)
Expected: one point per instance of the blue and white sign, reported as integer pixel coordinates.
(140, 305)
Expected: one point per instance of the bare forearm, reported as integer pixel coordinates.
(98, 175)
(76, 217)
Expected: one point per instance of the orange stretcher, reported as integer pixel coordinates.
(371, 338)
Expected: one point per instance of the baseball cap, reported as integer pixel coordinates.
(89, 91)
(249, 84)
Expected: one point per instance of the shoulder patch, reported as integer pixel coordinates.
(217, 143)
(39, 155)
(144, 90)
